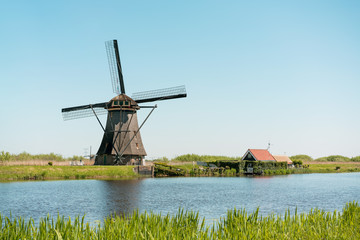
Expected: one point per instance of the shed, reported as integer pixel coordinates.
(283, 158)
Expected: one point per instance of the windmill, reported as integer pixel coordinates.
(121, 143)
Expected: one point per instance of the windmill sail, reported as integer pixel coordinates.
(122, 143)
(115, 67)
(160, 94)
(84, 111)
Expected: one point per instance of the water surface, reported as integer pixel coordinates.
(212, 196)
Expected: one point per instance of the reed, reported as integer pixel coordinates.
(238, 224)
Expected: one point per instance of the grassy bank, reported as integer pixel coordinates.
(331, 167)
(238, 224)
(8, 173)
(234, 168)
(320, 167)
(15, 173)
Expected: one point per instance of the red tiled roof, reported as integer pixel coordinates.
(262, 155)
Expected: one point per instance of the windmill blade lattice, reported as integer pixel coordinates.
(115, 67)
(84, 111)
(160, 94)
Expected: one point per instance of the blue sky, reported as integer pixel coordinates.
(255, 71)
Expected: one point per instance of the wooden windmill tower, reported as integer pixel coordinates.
(121, 143)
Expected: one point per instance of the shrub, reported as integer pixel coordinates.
(302, 157)
(50, 163)
(333, 158)
(260, 167)
(355, 159)
(163, 159)
(202, 158)
(297, 162)
(4, 156)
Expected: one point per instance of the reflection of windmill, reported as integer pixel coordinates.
(121, 143)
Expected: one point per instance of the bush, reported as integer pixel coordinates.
(333, 158)
(50, 163)
(265, 167)
(302, 157)
(202, 158)
(163, 159)
(4, 156)
(355, 159)
(297, 162)
(228, 164)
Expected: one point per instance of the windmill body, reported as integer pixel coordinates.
(121, 129)
(121, 143)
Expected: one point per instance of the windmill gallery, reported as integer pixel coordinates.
(121, 143)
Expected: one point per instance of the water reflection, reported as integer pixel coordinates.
(120, 197)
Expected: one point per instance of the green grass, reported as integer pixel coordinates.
(24, 156)
(238, 224)
(8, 173)
(334, 168)
(188, 169)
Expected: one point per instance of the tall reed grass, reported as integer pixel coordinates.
(238, 224)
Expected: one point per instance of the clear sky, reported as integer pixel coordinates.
(287, 72)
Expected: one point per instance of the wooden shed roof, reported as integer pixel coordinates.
(282, 158)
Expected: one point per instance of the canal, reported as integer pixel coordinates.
(210, 196)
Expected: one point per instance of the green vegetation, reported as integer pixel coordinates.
(334, 168)
(355, 159)
(303, 158)
(4, 156)
(201, 158)
(237, 224)
(297, 162)
(238, 168)
(64, 172)
(333, 158)
(268, 168)
(164, 169)
(184, 165)
(24, 156)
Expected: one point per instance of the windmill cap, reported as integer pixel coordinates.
(123, 101)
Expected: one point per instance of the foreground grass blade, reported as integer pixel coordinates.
(237, 224)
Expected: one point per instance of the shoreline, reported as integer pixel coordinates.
(47, 173)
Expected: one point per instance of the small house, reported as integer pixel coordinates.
(263, 155)
(256, 155)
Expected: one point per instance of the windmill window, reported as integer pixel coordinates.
(116, 103)
(137, 146)
(125, 103)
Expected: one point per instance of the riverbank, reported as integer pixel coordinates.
(238, 224)
(23, 172)
(333, 167)
(16, 173)
(233, 168)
